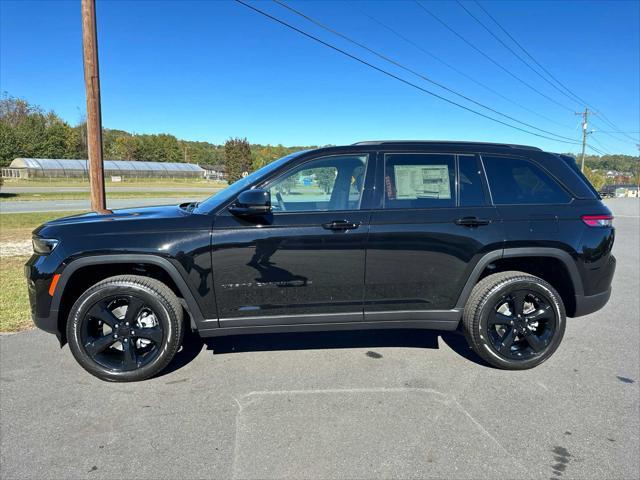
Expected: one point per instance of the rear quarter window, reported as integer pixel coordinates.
(516, 181)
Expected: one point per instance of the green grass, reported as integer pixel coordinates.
(14, 300)
(150, 182)
(21, 197)
(18, 226)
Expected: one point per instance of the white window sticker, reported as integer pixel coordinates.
(422, 181)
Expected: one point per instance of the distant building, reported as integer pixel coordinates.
(124, 169)
(619, 190)
(215, 172)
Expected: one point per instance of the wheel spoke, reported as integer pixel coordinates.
(507, 341)
(500, 319)
(99, 345)
(518, 297)
(535, 343)
(133, 309)
(540, 314)
(101, 312)
(130, 356)
(154, 334)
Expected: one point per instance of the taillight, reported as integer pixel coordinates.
(598, 220)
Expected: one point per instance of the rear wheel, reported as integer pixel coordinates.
(125, 328)
(514, 320)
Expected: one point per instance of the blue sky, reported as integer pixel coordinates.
(208, 70)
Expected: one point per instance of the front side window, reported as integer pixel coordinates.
(323, 184)
(419, 180)
(515, 181)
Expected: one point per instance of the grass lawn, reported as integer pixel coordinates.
(14, 301)
(18, 226)
(149, 182)
(17, 197)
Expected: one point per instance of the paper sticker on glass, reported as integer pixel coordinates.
(422, 181)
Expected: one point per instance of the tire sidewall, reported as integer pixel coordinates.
(77, 316)
(486, 309)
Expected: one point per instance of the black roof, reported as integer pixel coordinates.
(445, 142)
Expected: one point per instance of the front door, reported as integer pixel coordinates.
(434, 224)
(304, 263)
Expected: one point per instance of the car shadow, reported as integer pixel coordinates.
(193, 344)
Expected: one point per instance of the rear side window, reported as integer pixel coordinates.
(419, 180)
(471, 189)
(515, 181)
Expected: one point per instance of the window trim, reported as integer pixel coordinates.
(551, 176)
(300, 166)
(488, 201)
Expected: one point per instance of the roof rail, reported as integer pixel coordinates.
(446, 142)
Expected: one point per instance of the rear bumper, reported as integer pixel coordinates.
(591, 303)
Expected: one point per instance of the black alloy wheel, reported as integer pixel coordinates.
(125, 328)
(121, 333)
(514, 320)
(522, 324)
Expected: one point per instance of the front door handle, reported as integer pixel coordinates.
(472, 221)
(340, 225)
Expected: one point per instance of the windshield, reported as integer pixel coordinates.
(235, 188)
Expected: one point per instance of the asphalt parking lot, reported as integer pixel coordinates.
(394, 404)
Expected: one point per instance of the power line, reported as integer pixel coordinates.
(516, 54)
(509, 72)
(527, 53)
(602, 145)
(413, 72)
(584, 102)
(455, 69)
(615, 131)
(391, 75)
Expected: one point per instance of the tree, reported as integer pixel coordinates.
(597, 179)
(237, 158)
(325, 178)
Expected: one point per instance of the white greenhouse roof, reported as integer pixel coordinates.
(45, 164)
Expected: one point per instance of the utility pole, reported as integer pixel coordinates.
(94, 116)
(585, 132)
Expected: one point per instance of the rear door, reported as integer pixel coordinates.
(434, 222)
(305, 262)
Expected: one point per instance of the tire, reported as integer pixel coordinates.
(507, 336)
(125, 328)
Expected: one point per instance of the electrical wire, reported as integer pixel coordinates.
(391, 75)
(579, 99)
(413, 72)
(516, 54)
(455, 69)
(488, 57)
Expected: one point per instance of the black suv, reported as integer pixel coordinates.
(501, 241)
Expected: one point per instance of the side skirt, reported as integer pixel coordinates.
(448, 322)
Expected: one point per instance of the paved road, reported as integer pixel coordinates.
(28, 206)
(339, 405)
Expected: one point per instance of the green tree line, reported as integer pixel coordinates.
(28, 131)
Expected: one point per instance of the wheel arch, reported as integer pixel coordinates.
(68, 284)
(487, 264)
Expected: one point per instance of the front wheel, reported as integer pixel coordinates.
(514, 320)
(125, 328)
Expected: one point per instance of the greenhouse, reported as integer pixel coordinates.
(63, 168)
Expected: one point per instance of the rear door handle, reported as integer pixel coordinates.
(340, 225)
(472, 221)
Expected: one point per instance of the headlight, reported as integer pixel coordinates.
(43, 246)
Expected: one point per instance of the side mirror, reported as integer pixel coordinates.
(252, 202)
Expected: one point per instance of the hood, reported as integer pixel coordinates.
(121, 215)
